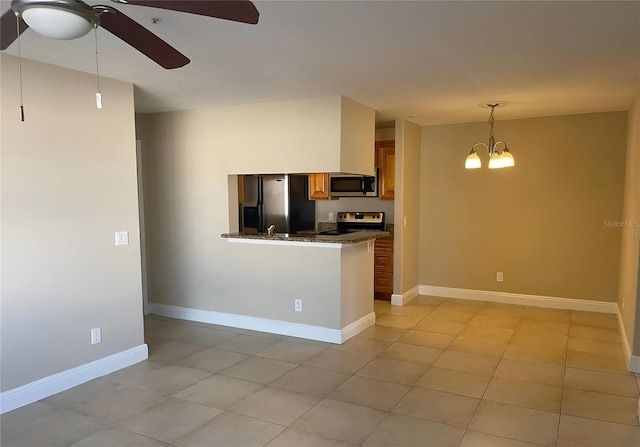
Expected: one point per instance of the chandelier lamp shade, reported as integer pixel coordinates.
(499, 155)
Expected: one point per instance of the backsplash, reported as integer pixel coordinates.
(324, 207)
(327, 226)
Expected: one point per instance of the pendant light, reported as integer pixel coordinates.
(497, 159)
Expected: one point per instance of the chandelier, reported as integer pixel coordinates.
(497, 159)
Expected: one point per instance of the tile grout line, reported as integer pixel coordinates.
(389, 412)
(485, 390)
(564, 375)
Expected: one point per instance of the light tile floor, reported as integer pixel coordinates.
(435, 372)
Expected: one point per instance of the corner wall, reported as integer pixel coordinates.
(628, 290)
(406, 212)
(543, 222)
(68, 183)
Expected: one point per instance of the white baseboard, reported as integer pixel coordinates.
(308, 331)
(521, 299)
(634, 364)
(401, 300)
(357, 326)
(633, 361)
(48, 386)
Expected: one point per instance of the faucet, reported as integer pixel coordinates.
(271, 229)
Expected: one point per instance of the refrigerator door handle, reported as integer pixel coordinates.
(260, 205)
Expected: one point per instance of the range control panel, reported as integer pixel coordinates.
(366, 217)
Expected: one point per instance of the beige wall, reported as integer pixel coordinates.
(68, 183)
(270, 137)
(386, 133)
(356, 282)
(406, 207)
(187, 157)
(541, 222)
(628, 291)
(357, 129)
(264, 280)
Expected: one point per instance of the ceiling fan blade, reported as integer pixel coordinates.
(141, 38)
(9, 30)
(236, 10)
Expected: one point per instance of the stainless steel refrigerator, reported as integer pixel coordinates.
(277, 199)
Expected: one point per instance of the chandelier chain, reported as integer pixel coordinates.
(491, 121)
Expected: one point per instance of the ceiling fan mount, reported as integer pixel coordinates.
(70, 19)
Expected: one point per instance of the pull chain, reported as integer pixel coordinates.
(98, 94)
(20, 66)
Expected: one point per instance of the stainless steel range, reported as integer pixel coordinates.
(351, 221)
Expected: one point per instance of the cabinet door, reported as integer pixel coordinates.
(383, 268)
(384, 282)
(386, 162)
(383, 262)
(384, 245)
(319, 186)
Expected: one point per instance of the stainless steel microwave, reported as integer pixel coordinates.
(352, 185)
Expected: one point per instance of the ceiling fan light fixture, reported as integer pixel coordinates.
(58, 19)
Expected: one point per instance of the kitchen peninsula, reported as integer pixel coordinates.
(332, 276)
(246, 282)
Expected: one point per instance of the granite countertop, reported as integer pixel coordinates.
(332, 225)
(350, 238)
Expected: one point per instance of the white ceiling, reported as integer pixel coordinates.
(431, 62)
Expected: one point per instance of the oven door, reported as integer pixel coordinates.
(341, 185)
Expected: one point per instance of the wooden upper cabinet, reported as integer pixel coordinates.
(319, 186)
(386, 164)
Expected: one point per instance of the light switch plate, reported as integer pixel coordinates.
(122, 238)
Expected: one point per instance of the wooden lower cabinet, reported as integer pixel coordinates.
(383, 268)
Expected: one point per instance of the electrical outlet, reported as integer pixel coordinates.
(499, 276)
(96, 335)
(330, 215)
(297, 305)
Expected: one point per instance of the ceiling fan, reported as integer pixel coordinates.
(70, 19)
